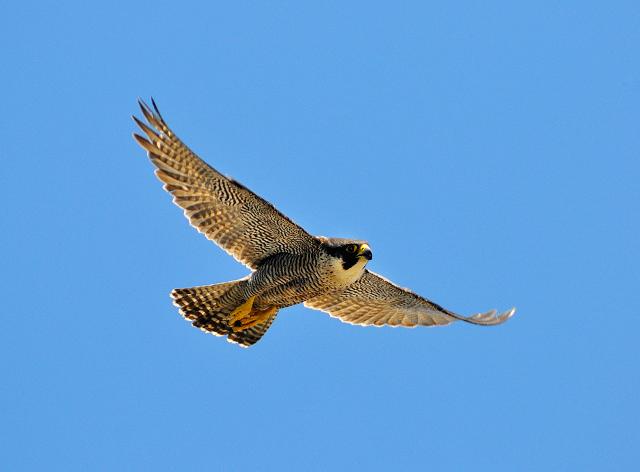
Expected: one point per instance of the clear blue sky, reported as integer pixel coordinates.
(489, 152)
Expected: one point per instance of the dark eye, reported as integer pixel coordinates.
(352, 248)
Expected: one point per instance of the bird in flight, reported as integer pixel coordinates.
(288, 265)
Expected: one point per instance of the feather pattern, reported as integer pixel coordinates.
(229, 214)
(374, 300)
(289, 266)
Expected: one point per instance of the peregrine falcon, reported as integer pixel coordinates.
(288, 265)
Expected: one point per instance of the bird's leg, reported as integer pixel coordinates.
(254, 318)
(236, 317)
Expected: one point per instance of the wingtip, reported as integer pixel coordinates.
(491, 317)
(155, 107)
(504, 316)
(141, 103)
(146, 109)
(141, 141)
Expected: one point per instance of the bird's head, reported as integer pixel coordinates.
(350, 251)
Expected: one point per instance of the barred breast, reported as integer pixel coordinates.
(285, 279)
(288, 279)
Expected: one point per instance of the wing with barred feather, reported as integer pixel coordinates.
(374, 300)
(246, 226)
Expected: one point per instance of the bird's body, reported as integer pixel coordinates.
(284, 279)
(289, 266)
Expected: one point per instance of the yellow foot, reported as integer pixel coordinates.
(241, 312)
(254, 318)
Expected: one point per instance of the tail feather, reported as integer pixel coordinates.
(251, 335)
(208, 307)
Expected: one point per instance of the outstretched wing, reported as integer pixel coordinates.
(229, 214)
(374, 300)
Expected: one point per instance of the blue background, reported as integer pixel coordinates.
(488, 151)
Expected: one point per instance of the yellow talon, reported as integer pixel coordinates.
(254, 318)
(241, 312)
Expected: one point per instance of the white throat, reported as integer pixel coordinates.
(344, 278)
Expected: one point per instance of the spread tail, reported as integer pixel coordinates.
(209, 307)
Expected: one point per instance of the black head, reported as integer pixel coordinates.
(350, 251)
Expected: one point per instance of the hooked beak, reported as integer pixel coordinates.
(365, 251)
